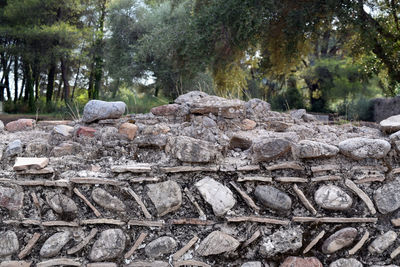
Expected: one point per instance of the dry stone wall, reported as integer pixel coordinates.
(205, 181)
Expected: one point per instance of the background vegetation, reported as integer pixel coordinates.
(323, 55)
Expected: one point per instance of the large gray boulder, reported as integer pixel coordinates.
(256, 109)
(100, 110)
(308, 149)
(270, 148)
(391, 124)
(189, 149)
(361, 148)
(227, 108)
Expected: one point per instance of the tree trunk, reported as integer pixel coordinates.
(98, 54)
(50, 82)
(64, 75)
(22, 88)
(29, 94)
(15, 79)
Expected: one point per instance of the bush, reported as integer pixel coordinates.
(291, 99)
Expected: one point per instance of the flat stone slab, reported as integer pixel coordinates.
(134, 168)
(361, 148)
(216, 243)
(217, 195)
(166, 196)
(110, 245)
(331, 197)
(160, 246)
(273, 198)
(227, 108)
(100, 110)
(30, 163)
(340, 239)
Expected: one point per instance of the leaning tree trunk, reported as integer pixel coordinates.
(50, 82)
(64, 75)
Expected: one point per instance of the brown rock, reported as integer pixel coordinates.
(11, 199)
(217, 243)
(271, 148)
(30, 163)
(19, 125)
(227, 108)
(63, 149)
(128, 129)
(106, 200)
(165, 110)
(301, 262)
(239, 141)
(339, 240)
(248, 125)
(85, 131)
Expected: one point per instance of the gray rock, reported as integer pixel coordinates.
(281, 242)
(298, 114)
(1, 126)
(382, 242)
(273, 198)
(190, 97)
(11, 199)
(188, 149)
(227, 108)
(387, 197)
(100, 110)
(37, 149)
(62, 204)
(391, 124)
(307, 149)
(346, 263)
(332, 197)
(256, 109)
(53, 245)
(160, 246)
(271, 148)
(63, 130)
(106, 200)
(361, 148)
(217, 195)
(8, 243)
(216, 243)
(14, 148)
(252, 264)
(340, 239)
(110, 245)
(166, 196)
(395, 140)
(309, 118)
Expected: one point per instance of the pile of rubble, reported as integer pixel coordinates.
(205, 181)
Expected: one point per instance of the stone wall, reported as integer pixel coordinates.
(385, 107)
(203, 182)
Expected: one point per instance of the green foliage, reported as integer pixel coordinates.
(356, 109)
(291, 98)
